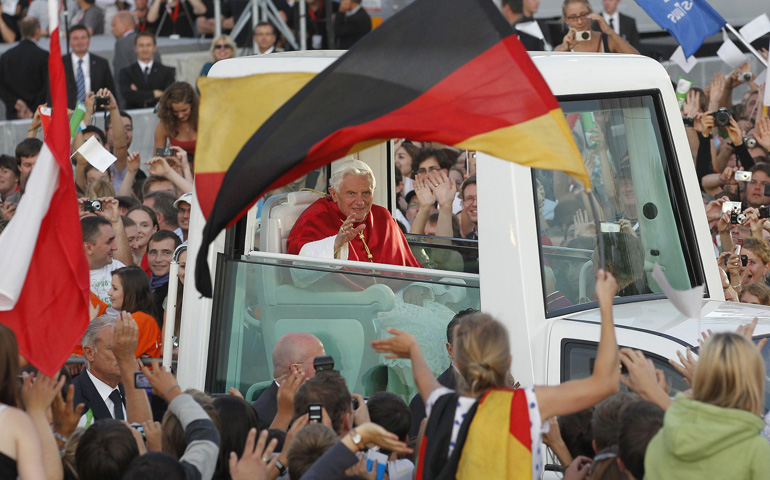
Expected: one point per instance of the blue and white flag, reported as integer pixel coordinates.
(689, 21)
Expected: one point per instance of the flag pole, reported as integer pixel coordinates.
(747, 44)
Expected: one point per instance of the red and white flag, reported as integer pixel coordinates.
(44, 289)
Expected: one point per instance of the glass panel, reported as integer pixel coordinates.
(442, 253)
(620, 140)
(346, 308)
(580, 357)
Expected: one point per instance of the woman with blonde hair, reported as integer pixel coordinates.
(222, 48)
(486, 426)
(577, 14)
(716, 433)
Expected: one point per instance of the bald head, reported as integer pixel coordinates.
(294, 352)
(122, 22)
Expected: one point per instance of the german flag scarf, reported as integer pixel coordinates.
(493, 442)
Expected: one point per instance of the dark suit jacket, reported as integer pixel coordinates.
(101, 77)
(417, 406)
(532, 43)
(266, 406)
(160, 78)
(628, 30)
(350, 29)
(85, 392)
(23, 75)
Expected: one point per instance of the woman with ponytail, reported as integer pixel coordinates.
(485, 428)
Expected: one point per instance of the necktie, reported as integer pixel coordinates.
(81, 82)
(117, 400)
(146, 74)
(612, 24)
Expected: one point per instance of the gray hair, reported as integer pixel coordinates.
(96, 325)
(351, 167)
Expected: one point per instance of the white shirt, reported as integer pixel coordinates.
(104, 392)
(615, 20)
(350, 13)
(86, 66)
(101, 280)
(269, 50)
(144, 66)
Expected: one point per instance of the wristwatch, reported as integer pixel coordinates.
(356, 437)
(688, 121)
(281, 468)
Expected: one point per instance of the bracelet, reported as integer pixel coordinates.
(58, 436)
(281, 468)
(165, 394)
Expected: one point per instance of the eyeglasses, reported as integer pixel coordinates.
(582, 16)
(423, 171)
(219, 47)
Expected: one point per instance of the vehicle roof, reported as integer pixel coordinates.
(660, 316)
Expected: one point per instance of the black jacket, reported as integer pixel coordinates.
(101, 77)
(350, 29)
(23, 75)
(417, 406)
(85, 392)
(160, 78)
(266, 406)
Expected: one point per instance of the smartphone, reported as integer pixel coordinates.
(163, 152)
(314, 412)
(140, 380)
(610, 227)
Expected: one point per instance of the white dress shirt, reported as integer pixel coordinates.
(144, 66)
(86, 69)
(104, 391)
(615, 20)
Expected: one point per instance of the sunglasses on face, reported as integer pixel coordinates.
(219, 47)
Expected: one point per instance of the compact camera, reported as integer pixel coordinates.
(742, 176)
(163, 152)
(92, 206)
(721, 117)
(750, 142)
(746, 76)
(583, 35)
(736, 212)
(764, 212)
(102, 103)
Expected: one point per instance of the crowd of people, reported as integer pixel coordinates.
(97, 421)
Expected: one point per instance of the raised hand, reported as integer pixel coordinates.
(606, 287)
(399, 345)
(603, 25)
(110, 209)
(685, 366)
(65, 415)
(347, 232)
(39, 391)
(762, 132)
(691, 105)
(444, 189)
(158, 166)
(423, 188)
(255, 462)
(163, 382)
(133, 162)
(125, 337)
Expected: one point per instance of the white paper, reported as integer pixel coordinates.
(687, 302)
(731, 54)
(96, 155)
(530, 28)
(755, 28)
(685, 64)
(9, 7)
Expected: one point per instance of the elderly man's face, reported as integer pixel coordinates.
(354, 196)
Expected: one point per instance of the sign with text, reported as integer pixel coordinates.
(689, 21)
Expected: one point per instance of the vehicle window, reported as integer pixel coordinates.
(442, 244)
(643, 214)
(265, 296)
(578, 360)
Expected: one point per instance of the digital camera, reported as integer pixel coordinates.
(736, 212)
(583, 35)
(92, 206)
(742, 176)
(102, 103)
(721, 117)
(163, 152)
(746, 76)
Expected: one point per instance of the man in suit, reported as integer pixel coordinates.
(520, 12)
(446, 379)
(24, 73)
(124, 31)
(293, 354)
(98, 387)
(85, 71)
(143, 82)
(623, 25)
(351, 23)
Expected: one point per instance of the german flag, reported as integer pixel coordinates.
(451, 72)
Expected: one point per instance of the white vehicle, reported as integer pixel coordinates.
(642, 172)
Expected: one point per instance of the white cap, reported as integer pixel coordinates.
(186, 197)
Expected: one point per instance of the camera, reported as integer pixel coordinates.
(721, 117)
(583, 35)
(744, 259)
(163, 152)
(140, 380)
(138, 427)
(742, 176)
(323, 363)
(764, 212)
(746, 76)
(92, 206)
(735, 211)
(750, 142)
(102, 103)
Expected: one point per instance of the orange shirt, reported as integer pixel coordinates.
(150, 343)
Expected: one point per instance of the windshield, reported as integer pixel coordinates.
(642, 213)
